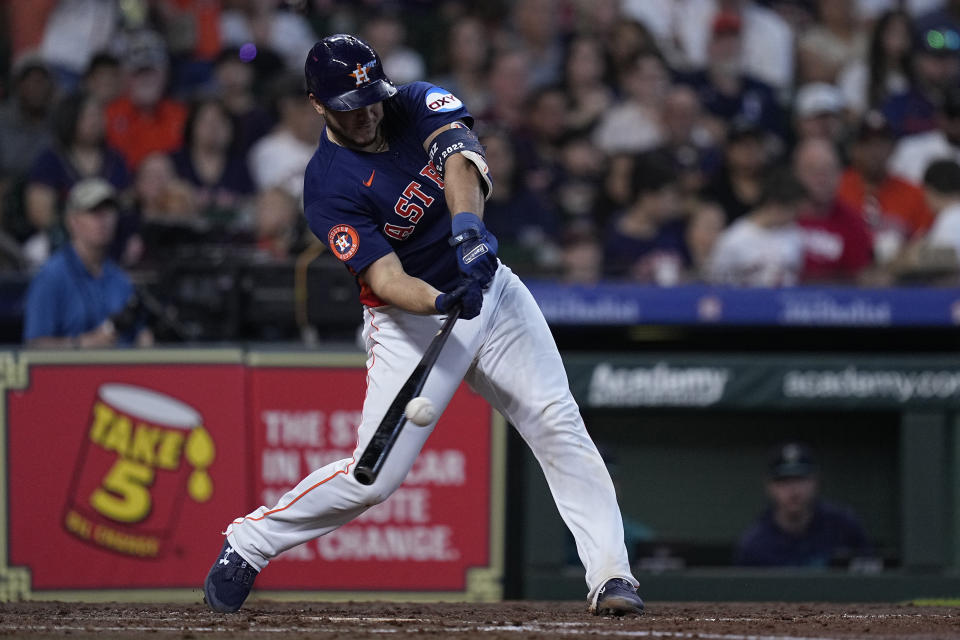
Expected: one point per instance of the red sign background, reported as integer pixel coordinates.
(424, 537)
(270, 426)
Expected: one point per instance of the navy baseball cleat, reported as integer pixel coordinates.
(229, 582)
(617, 597)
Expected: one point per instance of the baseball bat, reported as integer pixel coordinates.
(376, 451)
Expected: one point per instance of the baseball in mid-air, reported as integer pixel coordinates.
(420, 411)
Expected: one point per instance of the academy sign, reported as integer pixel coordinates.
(659, 385)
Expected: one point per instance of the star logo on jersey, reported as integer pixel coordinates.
(344, 241)
(361, 73)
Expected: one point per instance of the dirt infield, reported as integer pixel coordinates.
(510, 620)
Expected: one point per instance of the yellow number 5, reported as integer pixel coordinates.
(124, 496)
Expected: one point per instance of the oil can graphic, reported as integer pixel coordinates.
(144, 454)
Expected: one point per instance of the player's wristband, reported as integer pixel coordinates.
(475, 246)
(466, 226)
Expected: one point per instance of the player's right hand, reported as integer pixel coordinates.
(468, 294)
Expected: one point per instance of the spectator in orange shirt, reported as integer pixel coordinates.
(866, 184)
(144, 120)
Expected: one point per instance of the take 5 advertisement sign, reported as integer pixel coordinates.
(144, 454)
(123, 472)
(121, 475)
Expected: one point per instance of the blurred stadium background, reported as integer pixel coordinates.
(722, 206)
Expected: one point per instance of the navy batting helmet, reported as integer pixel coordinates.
(344, 73)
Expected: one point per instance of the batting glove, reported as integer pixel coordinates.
(468, 294)
(476, 248)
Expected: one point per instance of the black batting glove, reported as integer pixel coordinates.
(468, 295)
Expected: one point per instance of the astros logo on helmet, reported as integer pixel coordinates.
(361, 73)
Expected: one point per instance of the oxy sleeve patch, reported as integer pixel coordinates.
(441, 100)
(344, 241)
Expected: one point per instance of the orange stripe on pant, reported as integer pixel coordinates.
(292, 502)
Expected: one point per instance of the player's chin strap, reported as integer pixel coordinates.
(460, 139)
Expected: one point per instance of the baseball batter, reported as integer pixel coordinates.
(396, 188)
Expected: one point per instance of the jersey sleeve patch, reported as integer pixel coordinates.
(344, 241)
(441, 100)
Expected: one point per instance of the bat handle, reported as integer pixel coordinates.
(375, 453)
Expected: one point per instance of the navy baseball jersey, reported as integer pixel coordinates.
(365, 205)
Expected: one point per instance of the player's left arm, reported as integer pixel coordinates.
(458, 157)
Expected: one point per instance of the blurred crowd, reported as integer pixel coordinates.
(746, 142)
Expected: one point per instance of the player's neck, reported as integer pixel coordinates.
(379, 143)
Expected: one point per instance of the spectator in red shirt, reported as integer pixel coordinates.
(837, 242)
(144, 120)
